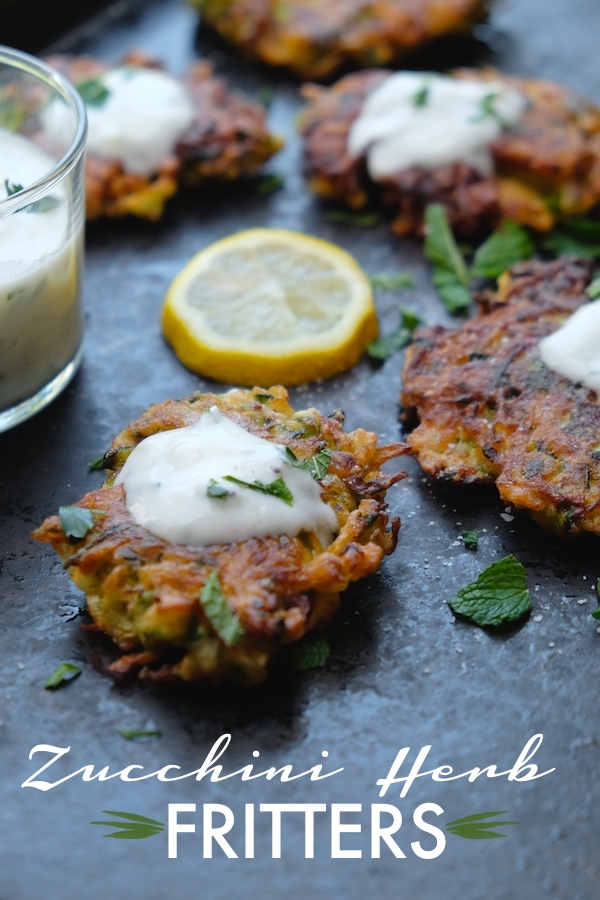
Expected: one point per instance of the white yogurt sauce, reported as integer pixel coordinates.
(573, 351)
(40, 316)
(145, 113)
(167, 475)
(456, 121)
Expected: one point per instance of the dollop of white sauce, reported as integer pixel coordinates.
(145, 113)
(573, 351)
(167, 475)
(455, 121)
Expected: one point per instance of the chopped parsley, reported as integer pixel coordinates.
(65, 672)
(470, 538)
(317, 465)
(310, 653)
(226, 624)
(498, 596)
(277, 488)
(93, 91)
(385, 346)
(76, 521)
(215, 489)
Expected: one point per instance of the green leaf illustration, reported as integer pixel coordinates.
(134, 828)
(475, 828)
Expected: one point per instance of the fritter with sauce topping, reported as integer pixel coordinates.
(546, 167)
(227, 139)
(150, 595)
(489, 410)
(315, 39)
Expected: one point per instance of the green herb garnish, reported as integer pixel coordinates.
(11, 187)
(132, 734)
(385, 346)
(317, 465)
(310, 653)
(66, 672)
(596, 613)
(475, 828)
(421, 98)
(498, 596)
(488, 110)
(266, 95)
(76, 521)
(44, 204)
(391, 282)
(268, 184)
(277, 488)
(450, 273)
(217, 490)
(97, 463)
(226, 624)
(470, 538)
(93, 92)
(578, 235)
(361, 220)
(593, 289)
(508, 245)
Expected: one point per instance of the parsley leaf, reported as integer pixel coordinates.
(217, 490)
(226, 624)
(421, 98)
(450, 273)
(391, 282)
(76, 521)
(470, 538)
(93, 92)
(132, 734)
(317, 465)
(383, 347)
(498, 596)
(362, 220)
(310, 653)
(593, 289)
(508, 245)
(65, 672)
(269, 184)
(277, 488)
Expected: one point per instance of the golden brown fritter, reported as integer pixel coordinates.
(314, 39)
(547, 167)
(145, 592)
(490, 410)
(228, 139)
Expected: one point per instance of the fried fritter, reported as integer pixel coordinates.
(145, 592)
(491, 411)
(547, 167)
(315, 39)
(228, 139)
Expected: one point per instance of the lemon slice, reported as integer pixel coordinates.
(268, 306)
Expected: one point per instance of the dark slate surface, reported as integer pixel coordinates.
(402, 671)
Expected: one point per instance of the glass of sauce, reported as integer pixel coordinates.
(42, 217)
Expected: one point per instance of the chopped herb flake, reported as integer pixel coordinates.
(310, 653)
(361, 220)
(266, 95)
(97, 463)
(470, 538)
(488, 110)
(384, 347)
(93, 92)
(132, 734)
(217, 490)
(11, 188)
(497, 597)
(317, 465)
(391, 282)
(214, 604)
(277, 488)
(76, 521)
(65, 672)
(421, 98)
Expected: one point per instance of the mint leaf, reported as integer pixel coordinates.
(450, 273)
(277, 488)
(76, 521)
(310, 653)
(317, 465)
(362, 220)
(65, 672)
(421, 98)
(93, 92)
(593, 289)
(132, 734)
(226, 624)
(217, 490)
(578, 235)
(384, 347)
(498, 596)
(508, 245)
(391, 282)
(470, 538)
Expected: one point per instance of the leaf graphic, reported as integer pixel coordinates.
(474, 827)
(134, 829)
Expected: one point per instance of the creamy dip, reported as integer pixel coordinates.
(168, 475)
(573, 351)
(413, 119)
(143, 115)
(40, 317)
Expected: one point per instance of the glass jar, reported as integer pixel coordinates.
(42, 218)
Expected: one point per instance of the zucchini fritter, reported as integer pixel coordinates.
(490, 410)
(145, 592)
(547, 167)
(315, 39)
(228, 139)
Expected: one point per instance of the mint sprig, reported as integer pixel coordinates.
(497, 597)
